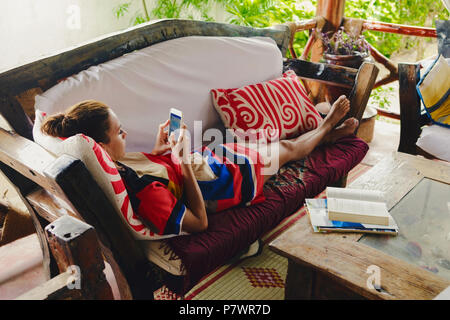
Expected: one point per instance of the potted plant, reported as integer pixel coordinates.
(344, 49)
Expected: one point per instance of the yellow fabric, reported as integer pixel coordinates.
(142, 165)
(434, 87)
(443, 113)
(200, 167)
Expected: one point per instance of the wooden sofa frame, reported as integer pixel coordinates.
(75, 222)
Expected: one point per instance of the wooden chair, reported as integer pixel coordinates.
(75, 222)
(412, 119)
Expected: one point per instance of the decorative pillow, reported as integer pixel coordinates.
(102, 169)
(275, 109)
(434, 90)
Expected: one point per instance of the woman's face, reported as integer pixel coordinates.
(116, 145)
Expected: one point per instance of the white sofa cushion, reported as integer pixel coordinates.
(435, 140)
(143, 85)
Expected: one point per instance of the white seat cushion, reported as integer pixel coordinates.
(143, 85)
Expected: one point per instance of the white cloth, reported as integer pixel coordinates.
(435, 140)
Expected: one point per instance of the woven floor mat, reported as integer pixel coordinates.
(257, 278)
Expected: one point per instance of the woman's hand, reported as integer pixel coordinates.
(181, 147)
(162, 142)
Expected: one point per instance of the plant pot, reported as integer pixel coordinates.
(351, 61)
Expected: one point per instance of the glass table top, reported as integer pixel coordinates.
(423, 218)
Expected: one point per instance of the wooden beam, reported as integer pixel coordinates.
(332, 11)
(24, 186)
(400, 29)
(326, 73)
(360, 94)
(75, 246)
(53, 289)
(26, 157)
(45, 72)
(409, 107)
(13, 113)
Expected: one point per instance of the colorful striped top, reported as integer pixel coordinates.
(228, 176)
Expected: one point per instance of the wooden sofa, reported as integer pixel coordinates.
(74, 220)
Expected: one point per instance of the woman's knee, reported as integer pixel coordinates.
(286, 151)
(295, 150)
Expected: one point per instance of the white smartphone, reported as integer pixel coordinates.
(176, 116)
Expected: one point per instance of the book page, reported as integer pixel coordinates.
(355, 194)
(357, 207)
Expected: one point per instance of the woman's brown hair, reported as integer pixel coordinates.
(88, 117)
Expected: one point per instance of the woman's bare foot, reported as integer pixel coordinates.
(338, 110)
(347, 127)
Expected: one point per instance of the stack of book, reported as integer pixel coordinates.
(351, 210)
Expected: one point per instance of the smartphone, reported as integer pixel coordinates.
(175, 117)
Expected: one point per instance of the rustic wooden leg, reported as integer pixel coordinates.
(341, 183)
(327, 288)
(409, 107)
(299, 282)
(75, 247)
(364, 82)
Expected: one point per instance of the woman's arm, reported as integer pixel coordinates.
(195, 219)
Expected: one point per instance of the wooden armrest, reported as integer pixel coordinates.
(78, 255)
(360, 81)
(325, 73)
(53, 289)
(42, 179)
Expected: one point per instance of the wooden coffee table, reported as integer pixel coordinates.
(356, 266)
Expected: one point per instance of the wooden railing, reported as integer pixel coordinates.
(357, 27)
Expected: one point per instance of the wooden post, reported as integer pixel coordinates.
(299, 282)
(75, 247)
(333, 12)
(409, 107)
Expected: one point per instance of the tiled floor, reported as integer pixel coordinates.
(385, 140)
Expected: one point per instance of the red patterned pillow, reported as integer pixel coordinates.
(275, 109)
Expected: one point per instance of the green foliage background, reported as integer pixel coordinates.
(264, 13)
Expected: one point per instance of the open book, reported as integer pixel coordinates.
(317, 209)
(360, 206)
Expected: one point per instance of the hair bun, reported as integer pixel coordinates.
(54, 125)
